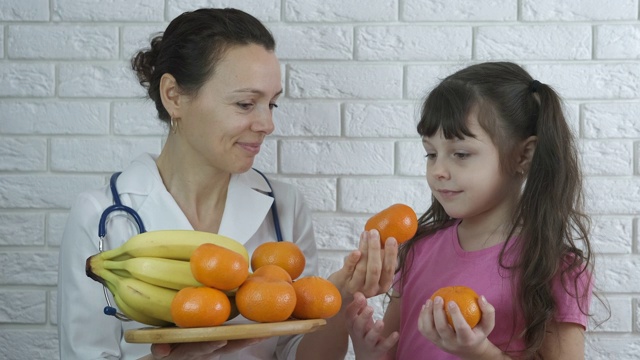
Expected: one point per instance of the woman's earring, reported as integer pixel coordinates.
(173, 125)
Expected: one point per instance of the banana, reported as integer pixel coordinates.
(136, 315)
(170, 244)
(169, 273)
(144, 299)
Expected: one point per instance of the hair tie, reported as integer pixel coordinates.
(533, 87)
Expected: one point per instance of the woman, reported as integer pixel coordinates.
(215, 80)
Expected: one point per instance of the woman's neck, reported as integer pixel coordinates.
(199, 189)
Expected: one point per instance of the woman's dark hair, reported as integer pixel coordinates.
(192, 45)
(549, 220)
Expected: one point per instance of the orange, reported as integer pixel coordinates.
(316, 298)
(218, 267)
(285, 254)
(467, 301)
(398, 221)
(200, 307)
(266, 300)
(273, 272)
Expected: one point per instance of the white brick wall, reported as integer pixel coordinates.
(354, 74)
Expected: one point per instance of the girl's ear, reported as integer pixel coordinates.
(170, 95)
(527, 149)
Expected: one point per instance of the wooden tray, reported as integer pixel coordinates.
(222, 332)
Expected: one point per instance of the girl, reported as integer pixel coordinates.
(506, 220)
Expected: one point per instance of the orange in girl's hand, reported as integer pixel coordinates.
(218, 267)
(398, 221)
(467, 301)
(200, 307)
(273, 272)
(316, 298)
(285, 254)
(265, 300)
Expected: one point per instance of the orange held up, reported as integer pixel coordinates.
(398, 221)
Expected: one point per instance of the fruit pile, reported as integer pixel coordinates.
(198, 279)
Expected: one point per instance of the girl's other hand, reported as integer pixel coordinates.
(199, 350)
(370, 269)
(464, 342)
(366, 334)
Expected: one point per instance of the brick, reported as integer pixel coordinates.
(1, 42)
(618, 273)
(621, 315)
(23, 307)
(138, 37)
(29, 344)
(306, 118)
(459, 10)
(609, 157)
(612, 195)
(345, 81)
(340, 11)
(539, 42)
(611, 120)
(370, 195)
(22, 229)
(264, 10)
(413, 43)
(80, 42)
(612, 41)
(590, 81)
(108, 80)
(410, 158)
(114, 10)
(330, 262)
(53, 309)
(59, 117)
(267, 159)
(27, 79)
(421, 79)
(320, 42)
(612, 235)
(23, 154)
(20, 10)
(98, 155)
(319, 193)
(380, 119)
(44, 191)
(55, 228)
(137, 118)
(335, 232)
(346, 157)
(599, 347)
(29, 268)
(637, 314)
(579, 10)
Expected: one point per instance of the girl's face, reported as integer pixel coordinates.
(225, 124)
(466, 178)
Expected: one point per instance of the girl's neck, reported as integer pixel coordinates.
(199, 189)
(484, 231)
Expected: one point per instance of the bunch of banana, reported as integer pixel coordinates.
(146, 272)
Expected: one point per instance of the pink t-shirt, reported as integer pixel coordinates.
(440, 261)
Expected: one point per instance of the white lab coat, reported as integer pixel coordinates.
(85, 332)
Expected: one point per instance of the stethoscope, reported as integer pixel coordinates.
(118, 206)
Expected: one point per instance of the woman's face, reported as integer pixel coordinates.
(225, 123)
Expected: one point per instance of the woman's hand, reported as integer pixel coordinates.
(366, 334)
(465, 342)
(199, 350)
(370, 269)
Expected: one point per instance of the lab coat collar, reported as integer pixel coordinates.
(246, 206)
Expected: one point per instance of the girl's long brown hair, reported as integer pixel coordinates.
(549, 219)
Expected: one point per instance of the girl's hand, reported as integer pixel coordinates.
(199, 350)
(366, 334)
(464, 342)
(368, 270)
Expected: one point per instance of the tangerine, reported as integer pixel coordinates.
(316, 298)
(218, 267)
(285, 254)
(200, 307)
(273, 272)
(266, 300)
(398, 221)
(467, 301)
